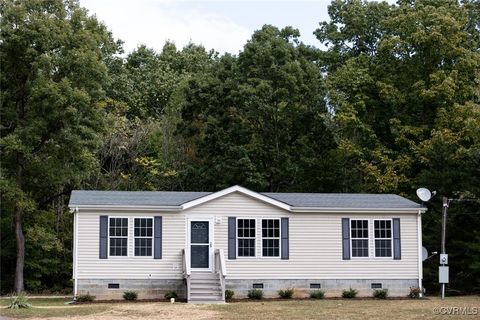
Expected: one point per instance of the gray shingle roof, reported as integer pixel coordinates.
(343, 200)
(174, 198)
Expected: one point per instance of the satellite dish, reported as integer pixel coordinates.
(424, 194)
(424, 254)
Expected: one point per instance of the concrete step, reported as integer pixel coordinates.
(201, 291)
(205, 296)
(206, 288)
(206, 301)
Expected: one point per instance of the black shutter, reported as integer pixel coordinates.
(157, 237)
(284, 233)
(103, 247)
(232, 238)
(397, 248)
(346, 238)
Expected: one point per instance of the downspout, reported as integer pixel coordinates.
(75, 252)
(419, 249)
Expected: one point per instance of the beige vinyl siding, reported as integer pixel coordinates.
(315, 246)
(90, 266)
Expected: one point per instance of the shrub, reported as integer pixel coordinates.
(380, 293)
(255, 294)
(229, 294)
(414, 292)
(349, 294)
(85, 298)
(171, 294)
(317, 294)
(285, 294)
(130, 295)
(19, 302)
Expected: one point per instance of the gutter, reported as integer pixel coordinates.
(356, 210)
(128, 208)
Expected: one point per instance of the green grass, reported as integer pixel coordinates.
(343, 309)
(51, 307)
(40, 301)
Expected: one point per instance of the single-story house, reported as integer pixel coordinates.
(201, 243)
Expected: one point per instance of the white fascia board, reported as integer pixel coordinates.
(356, 210)
(126, 208)
(239, 189)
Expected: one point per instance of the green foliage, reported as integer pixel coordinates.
(170, 294)
(255, 294)
(19, 301)
(285, 293)
(349, 294)
(85, 298)
(130, 295)
(380, 293)
(415, 293)
(229, 294)
(317, 294)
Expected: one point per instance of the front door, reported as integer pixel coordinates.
(200, 237)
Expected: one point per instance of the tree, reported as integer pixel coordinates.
(53, 74)
(260, 119)
(403, 86)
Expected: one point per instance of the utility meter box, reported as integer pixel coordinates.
(443, 274)
(443, 258)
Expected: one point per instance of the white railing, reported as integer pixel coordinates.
(186, 271)
(221, 269)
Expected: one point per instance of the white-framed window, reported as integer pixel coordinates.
(246, 237)
(118, 236)
(383, 238)
(143, 236)
(270, 237)
(359, 238)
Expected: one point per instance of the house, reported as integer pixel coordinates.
(201, 243)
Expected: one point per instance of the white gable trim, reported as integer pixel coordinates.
(241, 190)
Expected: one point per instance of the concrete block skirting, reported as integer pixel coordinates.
(146, 288)
(332, 288)
(156, 288)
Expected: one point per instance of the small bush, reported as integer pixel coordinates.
(229, 294)
(349, 294)
(380, 293)
(285, 294)
(317, 294)
(130, 295)
(414, 293)
(85, 298)
(255, 294)
(171, 294)
(19, 302)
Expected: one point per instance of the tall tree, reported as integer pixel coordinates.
(53, 73)
(259, 119)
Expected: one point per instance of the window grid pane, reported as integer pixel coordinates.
(270, 237)
(118, 231)
(246, 237)
(143, 231)
(383, 238)
(359, 235)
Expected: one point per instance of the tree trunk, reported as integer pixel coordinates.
(20, 239)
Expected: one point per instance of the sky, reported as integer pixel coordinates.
(222, 25)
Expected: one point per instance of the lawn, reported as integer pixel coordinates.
(264, 310)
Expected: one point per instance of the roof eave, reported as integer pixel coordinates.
(356, 210)
(125, 207)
